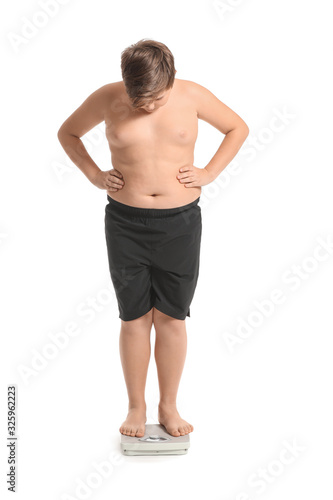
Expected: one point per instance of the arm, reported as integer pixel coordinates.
(213, 111)
(83, 119)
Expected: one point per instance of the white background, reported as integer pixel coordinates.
(263, 216)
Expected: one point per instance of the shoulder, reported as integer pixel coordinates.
(106, 91)
(91, 111)
(210, 108)
(103, 98)
(196, 93)
(191, 88)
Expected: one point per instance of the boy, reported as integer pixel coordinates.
(152, 219)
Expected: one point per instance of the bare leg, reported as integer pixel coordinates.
(170, 354)
(134, 344)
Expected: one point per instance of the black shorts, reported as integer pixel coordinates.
(153, 256)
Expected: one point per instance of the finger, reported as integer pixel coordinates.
(186, 178)
(115, 180)
(112, 175)
(114, 185)
(190, 184)
(116, 173)
(108, 183)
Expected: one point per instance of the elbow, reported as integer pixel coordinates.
(243, 132)
(241, 129)
(245, 129)
(60, 134)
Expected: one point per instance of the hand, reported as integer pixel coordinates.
(111, 180)
(192, 176)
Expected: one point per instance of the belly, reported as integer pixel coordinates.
(149, 151)
(151, 186)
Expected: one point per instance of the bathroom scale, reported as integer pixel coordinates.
(156, 441)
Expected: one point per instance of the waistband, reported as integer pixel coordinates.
(148, 212)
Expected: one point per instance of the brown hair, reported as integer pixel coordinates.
(147, 69)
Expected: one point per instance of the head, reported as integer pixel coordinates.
(148, 73)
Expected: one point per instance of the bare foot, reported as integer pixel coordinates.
(134, 425)
(170, 418)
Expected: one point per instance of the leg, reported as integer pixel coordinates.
(170, 353)
(134, 344)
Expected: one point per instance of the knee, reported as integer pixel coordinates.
(160, 319)
(143, 322)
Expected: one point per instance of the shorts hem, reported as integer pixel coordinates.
(135, 315)
(170, 313)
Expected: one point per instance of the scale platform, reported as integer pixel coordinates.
(156, 441)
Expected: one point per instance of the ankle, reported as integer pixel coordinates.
(138, 405)
(167, 404)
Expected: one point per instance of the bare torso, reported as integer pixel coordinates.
(150, 148)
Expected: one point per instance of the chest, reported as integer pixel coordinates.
(174, 127)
